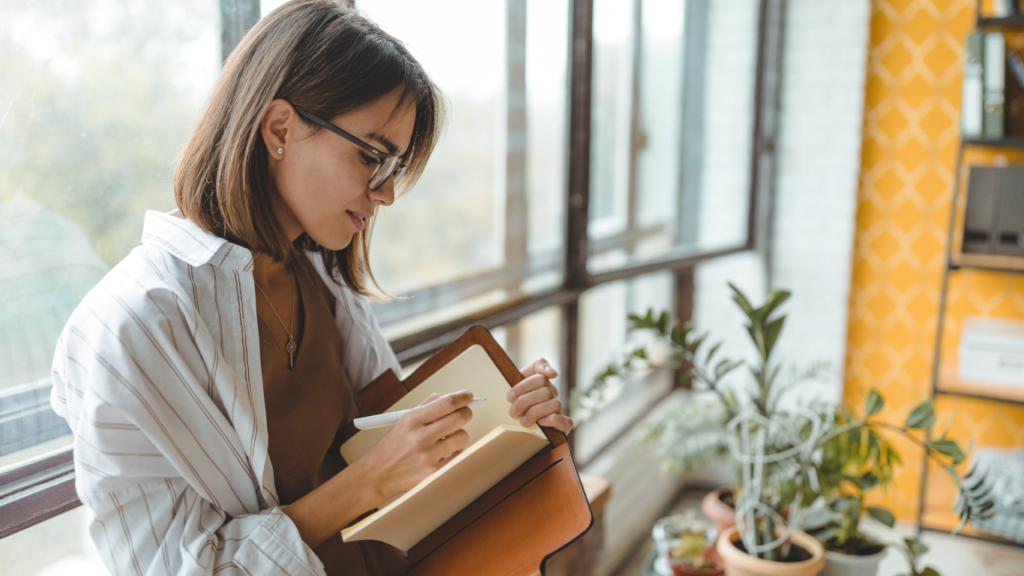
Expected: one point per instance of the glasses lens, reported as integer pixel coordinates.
(383, 171)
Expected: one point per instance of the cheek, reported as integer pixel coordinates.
(318, 192)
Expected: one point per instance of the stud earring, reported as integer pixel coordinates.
(280, 150)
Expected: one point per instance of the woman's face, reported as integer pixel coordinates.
(321, 180)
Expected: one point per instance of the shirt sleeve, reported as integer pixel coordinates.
(156, 460)
(163, 527)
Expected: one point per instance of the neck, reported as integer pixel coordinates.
(270, 273)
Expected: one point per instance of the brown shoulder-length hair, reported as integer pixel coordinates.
(321, 55)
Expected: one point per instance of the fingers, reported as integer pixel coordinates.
(450, 445)
(540, 366)
(433, 410)
(558, 422)
(449, 423)
(428, 400)
(538, 411)
(534, 396)
(529, 384)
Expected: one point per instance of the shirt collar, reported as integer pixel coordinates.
(188, 242)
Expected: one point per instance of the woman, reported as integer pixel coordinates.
(207, 376)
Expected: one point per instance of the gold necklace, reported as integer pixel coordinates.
(291, 346)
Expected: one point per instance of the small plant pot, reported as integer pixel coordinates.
(721, 514)
(837, 564)
(739, 563)
(716, 568)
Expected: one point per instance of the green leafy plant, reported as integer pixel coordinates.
(913, 549)
(850, 454)
(691, 549)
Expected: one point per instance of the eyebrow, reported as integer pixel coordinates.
(391, 147)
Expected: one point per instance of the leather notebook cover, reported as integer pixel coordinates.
(510, 527)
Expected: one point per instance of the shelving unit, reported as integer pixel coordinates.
(945, 381)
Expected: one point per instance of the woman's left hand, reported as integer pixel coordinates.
(535, 399)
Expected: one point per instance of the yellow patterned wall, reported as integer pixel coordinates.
(911, 138)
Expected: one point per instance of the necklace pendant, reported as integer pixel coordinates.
(291, 347)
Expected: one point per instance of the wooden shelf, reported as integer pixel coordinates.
(949, 383)
(1001, 143)
(1005, 21)
(991, 262)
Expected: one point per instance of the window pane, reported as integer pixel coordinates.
(98, 97)
(610, 117)
(603, 339)
(671, 143)
(58, 546)
(445, 227)
(485, 223)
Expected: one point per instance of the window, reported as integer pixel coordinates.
(98, 98)
(597, 151)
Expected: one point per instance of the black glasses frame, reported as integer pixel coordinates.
(390, 163)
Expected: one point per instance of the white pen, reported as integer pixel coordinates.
(389, 418)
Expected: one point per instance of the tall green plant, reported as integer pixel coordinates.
(850, 454)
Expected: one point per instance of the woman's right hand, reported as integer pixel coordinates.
(423, 440)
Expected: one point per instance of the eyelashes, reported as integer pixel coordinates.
(366, 159)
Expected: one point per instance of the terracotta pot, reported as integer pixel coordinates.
(739, 563)
(837, 564)
(720, 514)
(711, 555)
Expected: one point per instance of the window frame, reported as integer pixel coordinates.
(44, 487)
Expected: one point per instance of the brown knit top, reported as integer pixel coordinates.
(306, 409)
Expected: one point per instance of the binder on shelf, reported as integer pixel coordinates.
(510, 500)
(995, 84)
(993, 230)
(972, 105)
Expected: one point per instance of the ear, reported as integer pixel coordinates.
(278, 127)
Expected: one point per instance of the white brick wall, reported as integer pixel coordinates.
(816, 186)
(818, 161)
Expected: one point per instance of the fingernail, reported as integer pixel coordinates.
(512, 410)
(522, 420)
(511, 395)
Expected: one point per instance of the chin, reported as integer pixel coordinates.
(332, 241)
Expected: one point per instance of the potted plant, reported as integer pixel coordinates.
(686, 546)
(802, 456)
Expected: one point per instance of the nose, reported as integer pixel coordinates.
(384, 194)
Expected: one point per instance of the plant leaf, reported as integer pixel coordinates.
(874, 403)
(949, 448)
(664, 323)
(868, 481)
(922, 416)
(882, 515)
(775, 299)
(771, 334)
(741, 299)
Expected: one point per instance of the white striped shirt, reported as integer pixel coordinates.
(158, 374)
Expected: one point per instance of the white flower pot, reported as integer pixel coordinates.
(845, 565)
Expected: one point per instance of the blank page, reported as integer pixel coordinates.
(442, 495)
(472, 370)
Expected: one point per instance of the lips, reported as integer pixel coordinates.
(359, 219)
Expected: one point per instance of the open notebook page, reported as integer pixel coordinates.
(414, 515)
(472, 370)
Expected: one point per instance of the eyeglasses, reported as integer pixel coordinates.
(387, 164)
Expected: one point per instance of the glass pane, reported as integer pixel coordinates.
(546, 126)
(610, 117)
(485, 223)
(676, 178)
(603, 339)
(445, 227)
(56, 547)
(98, 97)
